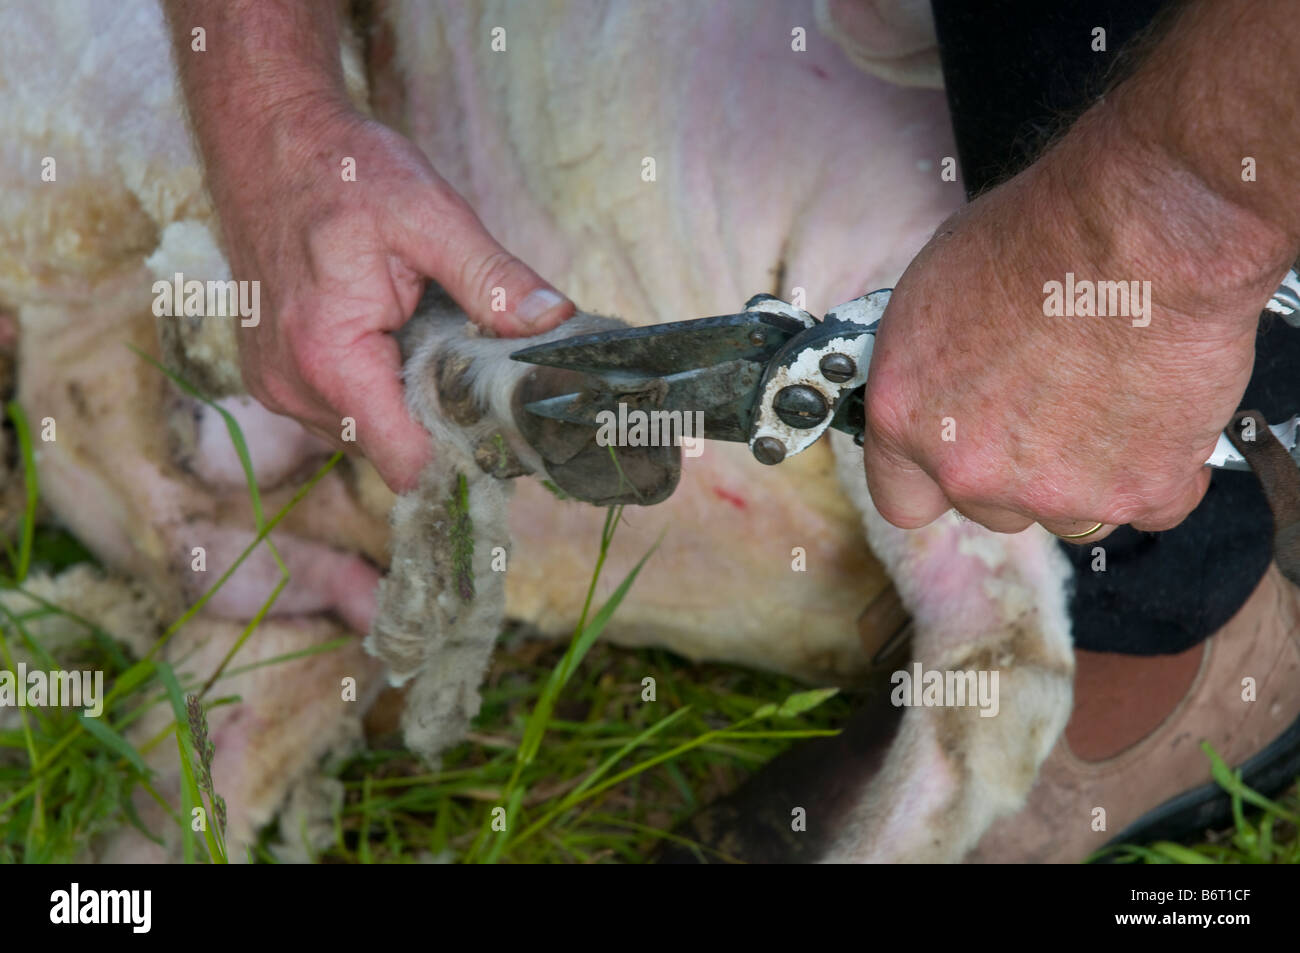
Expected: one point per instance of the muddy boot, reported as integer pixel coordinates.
(1133, 744)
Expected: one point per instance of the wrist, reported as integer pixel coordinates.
(1137, 210)
(279, 129)
(266, 89)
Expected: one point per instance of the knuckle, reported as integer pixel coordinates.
(885, 415)
(1161, 496)
(483, 273)
(444, 207)
(1161, 522)
(1050, 500)
(437, 209)
(901, 517)
(1174, 512)
(1124, 508)
(992, 519)
(968, 479)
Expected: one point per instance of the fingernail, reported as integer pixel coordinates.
(537, 304)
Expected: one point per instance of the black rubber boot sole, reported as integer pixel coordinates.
(1209, 807)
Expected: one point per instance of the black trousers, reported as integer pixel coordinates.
(1016, 72)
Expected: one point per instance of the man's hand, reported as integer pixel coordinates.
(343, 263)
(983, 397)
(341, 259)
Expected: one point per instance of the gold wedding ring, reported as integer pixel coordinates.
(1084, 534)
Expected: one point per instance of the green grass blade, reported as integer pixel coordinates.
(801, 702)
(605, 766)
(189, 785)
(1231, 782)
(109, 738)
(499, 838)
(331, 646)
(232, 428)
(1179, 854)
(585, 638)
(143, 670)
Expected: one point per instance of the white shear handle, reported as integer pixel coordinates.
(1285, 302)
(1226, 457)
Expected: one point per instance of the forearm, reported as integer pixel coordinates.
(265, 63)
(1150, 180)
(1221, 86)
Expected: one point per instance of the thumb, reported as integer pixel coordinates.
(448, 243)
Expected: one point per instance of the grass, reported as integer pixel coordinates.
(1269, 833)
(599, 772)
(582, 753)
(613, 776)
(81, 772)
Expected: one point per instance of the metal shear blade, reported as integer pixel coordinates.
(712, 365)
(723, 395)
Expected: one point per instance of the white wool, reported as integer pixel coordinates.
(426, 629)
(440, 329)
(190, 248)
(121, 607)
(950, 773)
(95, 94)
